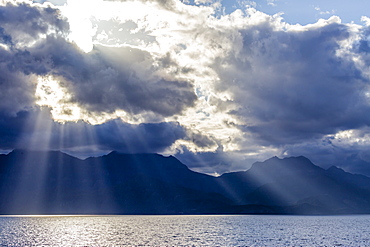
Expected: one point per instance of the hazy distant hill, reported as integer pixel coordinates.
(295, 185)
(56, 183)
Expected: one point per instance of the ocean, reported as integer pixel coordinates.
(195, 230)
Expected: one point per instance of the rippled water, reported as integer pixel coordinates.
(185, 231)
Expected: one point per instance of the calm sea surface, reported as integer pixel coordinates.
(185, 231)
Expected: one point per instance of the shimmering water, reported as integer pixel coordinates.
(185, 231)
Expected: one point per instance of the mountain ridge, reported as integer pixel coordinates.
(52, 182)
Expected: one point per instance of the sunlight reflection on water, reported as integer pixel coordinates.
(185, 231)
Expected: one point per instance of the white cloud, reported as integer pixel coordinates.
(245, 83)
(234, 65)
(365, 20)
(202, 1)
(272, 2)
(324, 12)
(247, 3)
(54, 2)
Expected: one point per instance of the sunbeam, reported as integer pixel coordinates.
(99, 97)
(175, 107)
(31, 169)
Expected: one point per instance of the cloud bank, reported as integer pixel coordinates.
(217, 90)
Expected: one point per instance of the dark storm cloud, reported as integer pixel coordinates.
(104, 80)
(11, 128)
(25, 22)
(150, 138)
(115, 135)
(20, 25)
(16, 90)
(133, 85)
(108, 79)
(288, 89)
(291, 86)
(35, 130)
(199, 139)
(328, 151)
(33, 43)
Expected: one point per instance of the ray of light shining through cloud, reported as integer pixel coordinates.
(218, 84)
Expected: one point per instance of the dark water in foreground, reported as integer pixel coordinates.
(185, 231)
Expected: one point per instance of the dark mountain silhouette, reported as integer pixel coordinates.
(56, 183)
(33, 182)
(296, 185)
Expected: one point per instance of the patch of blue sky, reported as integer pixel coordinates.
(301, 12)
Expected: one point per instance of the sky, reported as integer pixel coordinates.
(217, 84)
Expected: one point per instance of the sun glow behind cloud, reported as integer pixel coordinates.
(185, 43)
(167, 33)
(244, 83)
(50, 93)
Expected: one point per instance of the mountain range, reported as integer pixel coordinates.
(52, 182)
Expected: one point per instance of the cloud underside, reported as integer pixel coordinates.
(163, 76)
